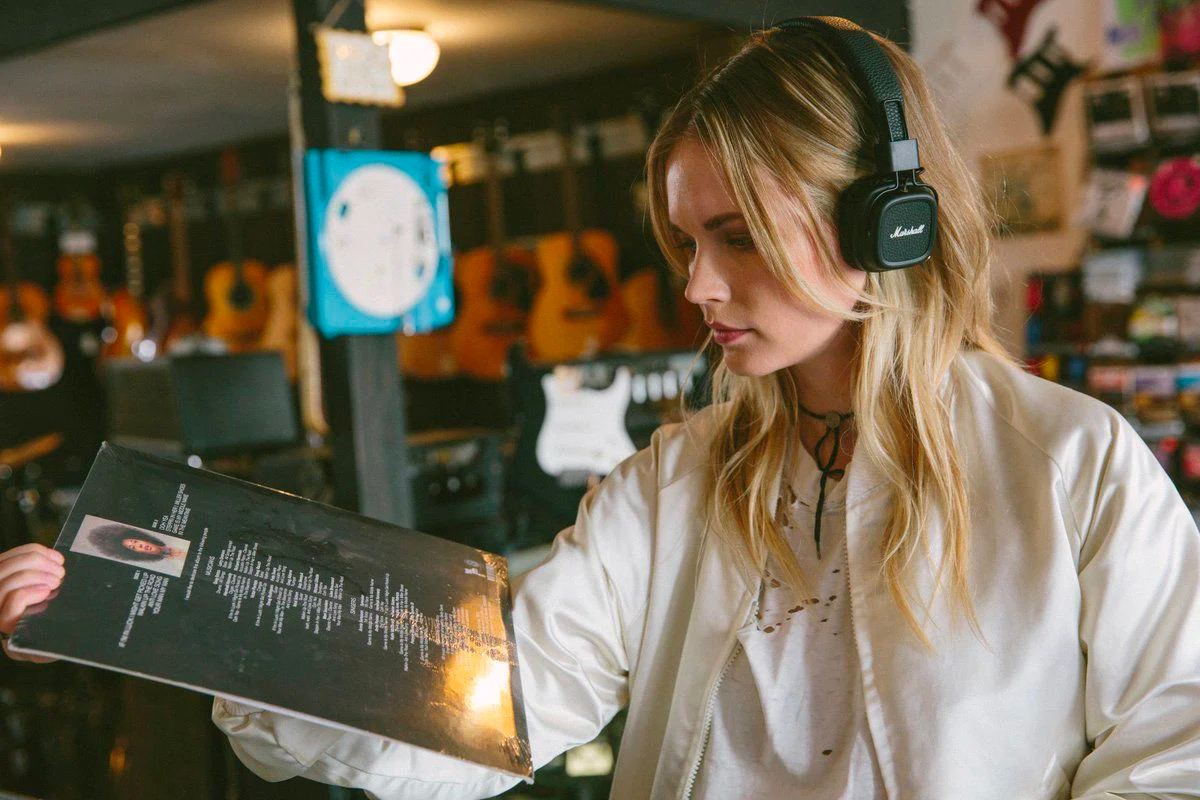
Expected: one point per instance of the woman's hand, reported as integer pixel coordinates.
(29, 574)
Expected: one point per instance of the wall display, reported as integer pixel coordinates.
(1179, 24)
(1130, 34)
(1175, 188)
(1025, 187)
(1116, 113)
(355, 68)
(1042, 76)
(1112, 202)
(1113, 275)
(1011, 18)
(196, 579)
(1174, 104)
(378, 242)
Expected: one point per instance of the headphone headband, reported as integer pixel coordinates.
(872, 70)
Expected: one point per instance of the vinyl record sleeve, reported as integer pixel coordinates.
(200, 580)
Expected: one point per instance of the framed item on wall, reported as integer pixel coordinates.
(1024, 187)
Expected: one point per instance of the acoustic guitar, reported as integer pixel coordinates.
(31, 358)
(236, 288)
(660, 317)
(280, 330)
(78, 296)
(495, 283)
(429, 355)
(129, 323)
(578, 311)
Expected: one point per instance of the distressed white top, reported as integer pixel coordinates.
(789, 719)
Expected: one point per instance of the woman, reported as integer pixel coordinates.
(123, 543)
(885, 562)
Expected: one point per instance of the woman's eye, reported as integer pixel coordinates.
(686, 245)
(741, 242)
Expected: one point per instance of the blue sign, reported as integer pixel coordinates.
(378, 242)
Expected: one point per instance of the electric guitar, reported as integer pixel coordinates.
(129, 324)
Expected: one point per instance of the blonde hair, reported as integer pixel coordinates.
(783, 111)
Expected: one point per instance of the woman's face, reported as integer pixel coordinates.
(141, 546)
(759, 324)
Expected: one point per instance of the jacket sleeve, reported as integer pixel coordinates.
(570, 615)
(1140, 630)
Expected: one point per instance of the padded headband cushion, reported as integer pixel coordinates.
(871, 68)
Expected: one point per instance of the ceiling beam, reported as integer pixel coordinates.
(30, 26)
(888, 17)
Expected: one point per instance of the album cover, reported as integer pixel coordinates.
(200, 580)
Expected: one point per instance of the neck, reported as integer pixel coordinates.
(825, 381)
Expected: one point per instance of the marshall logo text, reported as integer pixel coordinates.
(906, 231)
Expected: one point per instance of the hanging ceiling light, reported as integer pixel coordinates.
(412, 52)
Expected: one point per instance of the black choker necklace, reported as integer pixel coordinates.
(833, 427)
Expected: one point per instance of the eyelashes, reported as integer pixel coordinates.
(744, 243)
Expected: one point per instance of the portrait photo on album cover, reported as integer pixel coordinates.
(138, 547)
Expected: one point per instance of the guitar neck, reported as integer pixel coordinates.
(495, 201)
(181, 282)
(230, 177)
(572, 213)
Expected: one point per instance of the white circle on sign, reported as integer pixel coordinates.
(380, 241)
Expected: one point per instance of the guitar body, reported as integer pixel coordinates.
(30, 357)
(279, 332)
(130, 321)
(578, 310)
(79, 295)
(237, 303)
(428, 356)
(491, 317)
(660, 318)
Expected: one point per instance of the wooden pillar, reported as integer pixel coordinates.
(363, 393)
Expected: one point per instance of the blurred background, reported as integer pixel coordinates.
(174, 280)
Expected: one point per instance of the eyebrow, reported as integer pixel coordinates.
(713, 222)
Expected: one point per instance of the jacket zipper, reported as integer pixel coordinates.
(709, 710)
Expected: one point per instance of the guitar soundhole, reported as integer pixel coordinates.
(241, 296)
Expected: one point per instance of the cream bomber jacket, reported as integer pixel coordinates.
(1085, 565)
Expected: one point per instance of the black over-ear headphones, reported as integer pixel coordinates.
(887, 220)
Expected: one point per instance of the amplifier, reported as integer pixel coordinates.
(457, 479)
(207, 405)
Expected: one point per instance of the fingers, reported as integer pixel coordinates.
(17, 598)
(29, 575)
(38, 560)
(32, 547)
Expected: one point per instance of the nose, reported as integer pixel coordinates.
(706, 283)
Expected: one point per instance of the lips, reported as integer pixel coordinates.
(723, 334)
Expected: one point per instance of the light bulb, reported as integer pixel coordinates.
(412, 53)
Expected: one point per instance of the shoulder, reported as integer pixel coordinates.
(1085, 443)
(1051, 417)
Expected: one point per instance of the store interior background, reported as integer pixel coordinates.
(97, 108)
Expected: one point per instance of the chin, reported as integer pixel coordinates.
(748, 364)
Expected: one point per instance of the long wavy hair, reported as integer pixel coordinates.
(785, 111)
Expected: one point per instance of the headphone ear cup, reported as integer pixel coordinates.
(856, 228)
(882, 228)
(906, 226)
